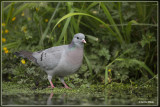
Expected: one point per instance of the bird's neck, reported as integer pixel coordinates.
(73, 45)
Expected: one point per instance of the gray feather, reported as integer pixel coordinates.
(48, 59)
(26, 54)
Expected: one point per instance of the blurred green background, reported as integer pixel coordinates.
(121, 40)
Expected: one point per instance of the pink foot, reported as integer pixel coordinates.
(66, 86)
(52, 86)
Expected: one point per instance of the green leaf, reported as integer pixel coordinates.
(92, 37)
(21, 8)
(88, 63)
(73, 14)
(128, 30)
(106, 75)
(64, 29)
(140, 63)
(10, 13)
(48, 26)
(104, 52)
(107, 13)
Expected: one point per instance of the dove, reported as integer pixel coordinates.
(58, 61)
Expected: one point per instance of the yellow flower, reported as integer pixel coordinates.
(59, 25)
(5, 48)
(24, 29)
(46, 20)
(14, 18)
(6, 51)
(109, 70)
(3, 40)
(6, 31)
(37, 9)
(3, 24)
(22, 14)
(23, 61)
(29, 18)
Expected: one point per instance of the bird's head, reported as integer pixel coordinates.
(78, 40)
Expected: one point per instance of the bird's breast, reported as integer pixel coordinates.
(74, 57)
(73, 61)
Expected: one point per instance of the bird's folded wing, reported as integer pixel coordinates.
(49, 58)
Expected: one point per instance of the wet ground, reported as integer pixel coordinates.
(82, 96)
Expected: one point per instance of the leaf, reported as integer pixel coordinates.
(83, 68)
(140, 63)
(73, 14)
(104, 52)
(147, 39)
(10, 12)
(92, 37)
(106, 75)
(107, 13)
(64, 28)
(88, 63)
(128, 30)
(12, 44)
(21, 8)
(48, 26)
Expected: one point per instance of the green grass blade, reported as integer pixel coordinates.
(73, 14)
(89, 7)
(86, 25)
(21, 8)
(64, 29)
(120, 13)
(12, 44)
(10, 12)
(48, 26)
(92, 5)
(75, 26)
(128, 30)
(106, 75)
(107, 13)
(88, 63)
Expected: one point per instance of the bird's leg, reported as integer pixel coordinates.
(65, 85)
(50, 81)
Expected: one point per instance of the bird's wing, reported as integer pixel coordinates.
(49, 58)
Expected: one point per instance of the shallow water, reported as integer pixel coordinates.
(100, 98)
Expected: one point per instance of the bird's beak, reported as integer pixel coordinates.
(84, 41)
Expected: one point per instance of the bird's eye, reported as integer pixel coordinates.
(77, 37)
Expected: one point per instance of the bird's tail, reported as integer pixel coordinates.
(25, 54)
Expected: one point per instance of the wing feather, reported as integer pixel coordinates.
(48, 59)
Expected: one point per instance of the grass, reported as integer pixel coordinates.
(10, 88)
(14, 88)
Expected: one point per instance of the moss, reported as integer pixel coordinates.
(14, 88)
